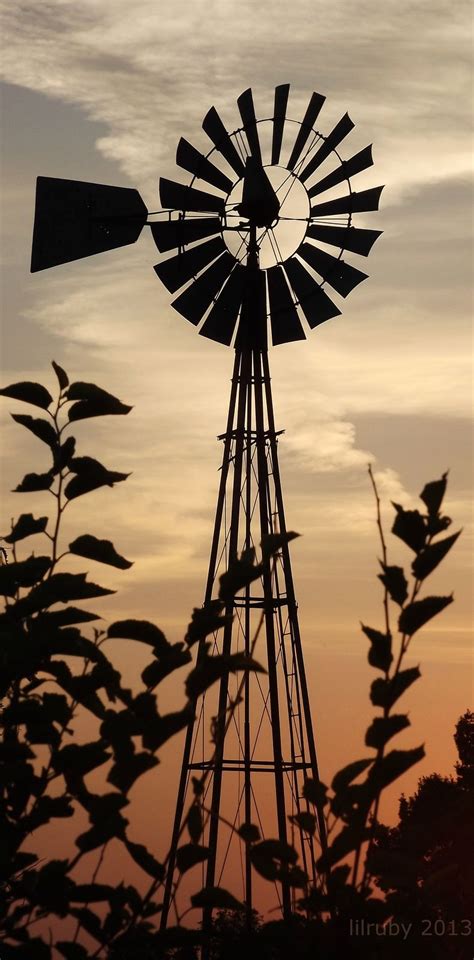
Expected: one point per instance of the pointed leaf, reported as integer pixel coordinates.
(61, 374)
(145, 860)
(383, 729)
(410, 527)
(380, 653)
(316, 792)
(167, 663)
(395, 582)
(210, 669)
(194, 823)
(81, 759)
(273, 542)
(387, 769)
(90, 393)
(346, 841)
(433, 494)
(205, 620)
(64, 454)
(25, 573)
(30, 392)
(124, 772)
(90, 476)
(101, 550)
(416, 614)
(432, 555)
(66, 617)
(61, 588)
(349, 773)
(241, 573)
(141, 630)
(305, 820)
(34, 481)
(26, 526)
(216, 898)
(269, 856)
(41, 428)
(189, 855)
(384, 693)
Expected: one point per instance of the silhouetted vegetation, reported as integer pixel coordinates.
(52, 674)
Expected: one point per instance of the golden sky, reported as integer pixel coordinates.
(102, 91)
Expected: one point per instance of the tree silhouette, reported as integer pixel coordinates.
(424, 864)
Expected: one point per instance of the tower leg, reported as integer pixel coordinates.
(183, 780)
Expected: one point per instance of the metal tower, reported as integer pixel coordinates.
(251, 259)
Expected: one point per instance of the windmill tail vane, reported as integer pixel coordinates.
(253, 251)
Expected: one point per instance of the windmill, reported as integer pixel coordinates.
(251, 245)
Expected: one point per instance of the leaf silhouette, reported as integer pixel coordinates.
(26, 526)
(174, 658)
(124, 772)
(41, 428)
(394, 580)
(141, 630)
(93, 402)
(384, 693)
(61, 588)
(380, 652)
(145, 860)
(189, 855)
(387, 769)
(101, 550)
(410, 527)
(35, 481)
(431, 556)
(349, 773)
(416, 614)
(25, 573)
(433, 494)
(90, 475)
(30, 392)
(383, 728)
(61, 374)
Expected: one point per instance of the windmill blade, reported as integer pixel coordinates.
(216, 131)
(340, 275)
(279, 114)
(249, 120)
(360, 161)
(170, 234)
(347, 238)
(190, 159)
(330, 143)
(220, 324)
(314, 302)
(177, 196)
(178, 270)
(306, 127)
(284, 319)
(352, 203)
(76, 219)
(195, 300)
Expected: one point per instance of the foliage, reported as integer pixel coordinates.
(424, 865)
(54, 673)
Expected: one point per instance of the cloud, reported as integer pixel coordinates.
(151, 76)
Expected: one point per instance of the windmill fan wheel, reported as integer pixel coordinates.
(253, 172)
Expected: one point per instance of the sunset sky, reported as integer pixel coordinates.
(102, 91)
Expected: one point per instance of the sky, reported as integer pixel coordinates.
(102, 91)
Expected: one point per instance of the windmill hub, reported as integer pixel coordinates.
(286, 232)
(260, 204)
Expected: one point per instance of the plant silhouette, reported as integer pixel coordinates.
(52, 674)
